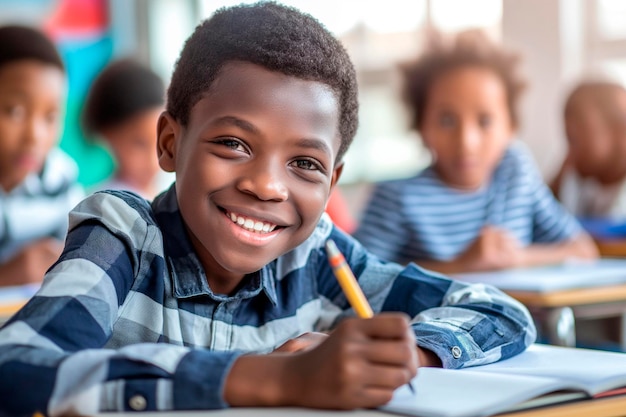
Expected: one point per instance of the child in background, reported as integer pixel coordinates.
(590, 182)
(37, 180)
(122, 108)
(482, 204)
(180, 303)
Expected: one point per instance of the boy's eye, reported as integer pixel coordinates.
(307, 164)
(15, 112)
(233, 144)
(484, 121)
(52, 117)
(447, 120)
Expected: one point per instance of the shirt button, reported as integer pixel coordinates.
(137, 403)
(456, 352)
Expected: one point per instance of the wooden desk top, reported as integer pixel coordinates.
(604, 407)
(601, 407)
(613, 247)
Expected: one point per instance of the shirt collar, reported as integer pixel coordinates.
(188, 277)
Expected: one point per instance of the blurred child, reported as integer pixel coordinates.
(590, 182)
(122, 108)
(37, 181)
(481, 204)
(181, 303)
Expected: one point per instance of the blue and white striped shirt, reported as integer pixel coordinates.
(421, 218)
(127, 312)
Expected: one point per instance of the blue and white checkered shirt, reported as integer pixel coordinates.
(127, 313)
(421, 218)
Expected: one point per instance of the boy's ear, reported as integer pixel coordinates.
(168, 131)
(336, 174)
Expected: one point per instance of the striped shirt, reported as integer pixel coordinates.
(39, 206)
(421, 218)
(127, 312)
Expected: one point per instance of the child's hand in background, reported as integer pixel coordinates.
(31, 263)
(494, 248)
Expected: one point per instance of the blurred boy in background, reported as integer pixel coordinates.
(122, 109)
(38, 182)
(590, 182)
(481, 204)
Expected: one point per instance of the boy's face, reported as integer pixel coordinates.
(589, 139)
(254, 167)
(32, 96)
(133, 143)
(467, 125)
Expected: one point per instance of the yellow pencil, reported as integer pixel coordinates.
(347, 281)
(349, 284)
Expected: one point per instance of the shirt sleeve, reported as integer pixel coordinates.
(464, 324)
(552, 222)
(381, 227)
(57, 342)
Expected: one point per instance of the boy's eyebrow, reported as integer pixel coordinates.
(315, 144)
(240, 123)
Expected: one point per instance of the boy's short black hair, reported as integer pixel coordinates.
(277, 37)
(467, 48)
(19, 43)
(602, 94)
(122, 90)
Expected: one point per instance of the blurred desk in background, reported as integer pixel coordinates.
(13, 298)
(557, 295)
(612, 247)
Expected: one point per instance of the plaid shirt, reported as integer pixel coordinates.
(126, 320)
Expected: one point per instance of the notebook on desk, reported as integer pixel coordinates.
(569, 275)
(543, 375)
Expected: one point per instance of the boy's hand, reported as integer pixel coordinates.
(31, 263)
(359, 365)
(494, 248)
(305, 341)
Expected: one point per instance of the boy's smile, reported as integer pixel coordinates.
(254, 167)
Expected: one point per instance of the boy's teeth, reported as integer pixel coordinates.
(251, 225)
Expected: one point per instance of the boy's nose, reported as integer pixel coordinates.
(266, 181)
(36, 131)
(468, 138)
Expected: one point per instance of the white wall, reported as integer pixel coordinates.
(549, 34)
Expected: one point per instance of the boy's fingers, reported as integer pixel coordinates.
(388, 377)
(384, 326)
(398, 353)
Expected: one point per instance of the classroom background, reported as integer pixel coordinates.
(561, 42)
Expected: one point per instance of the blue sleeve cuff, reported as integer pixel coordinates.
(199, 379)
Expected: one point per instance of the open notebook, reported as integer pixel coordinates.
(540, 376)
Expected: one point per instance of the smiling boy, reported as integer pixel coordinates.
(182, 303)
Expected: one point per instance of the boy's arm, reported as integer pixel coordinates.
(57, 340)
(580, 246)
(463, 324)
